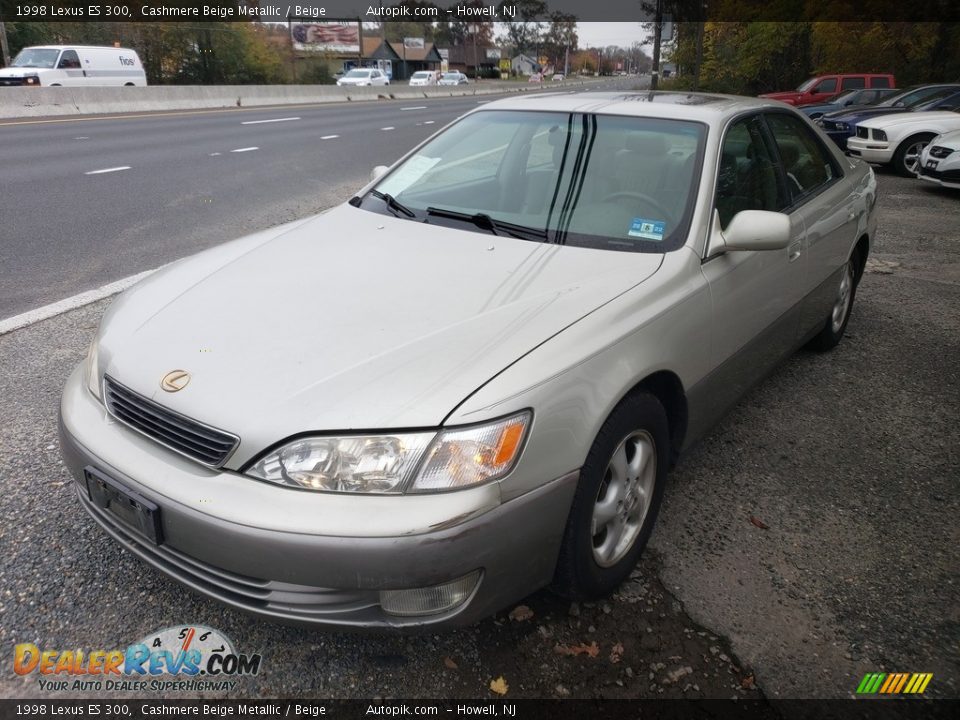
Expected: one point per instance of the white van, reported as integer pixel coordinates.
(74, 66)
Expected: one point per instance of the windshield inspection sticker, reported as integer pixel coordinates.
(647, 229)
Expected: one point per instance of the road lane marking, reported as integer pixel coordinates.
(274, 120)
(108, 170)
(82, 137)
(215, 154)
(249, 149)
(388, 127)
(417, 107)
(71, 303)
(428, 122)
(328, 137)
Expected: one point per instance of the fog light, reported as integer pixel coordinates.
(429, 600)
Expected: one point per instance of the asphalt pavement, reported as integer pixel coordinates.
(810, 539)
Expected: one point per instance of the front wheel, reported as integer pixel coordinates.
(617, 499)
(906, 160)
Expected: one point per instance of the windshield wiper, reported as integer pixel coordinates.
(485, 222)
(393, 203)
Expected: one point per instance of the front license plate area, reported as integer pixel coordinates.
(132, 510)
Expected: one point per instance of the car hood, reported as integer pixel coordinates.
(847, 114)
(926, 117)
(350, 320)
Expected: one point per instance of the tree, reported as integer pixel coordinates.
(524, 34)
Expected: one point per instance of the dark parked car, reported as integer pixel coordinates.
(847, 101)
(841, 125)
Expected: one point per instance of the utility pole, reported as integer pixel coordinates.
(657, 30)
(4, 48)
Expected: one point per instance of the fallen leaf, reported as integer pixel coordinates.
(747, 682)
(499, 686)
(521, 613)
(759, 523)
(616, 652)
(582, 649)
(450, 663)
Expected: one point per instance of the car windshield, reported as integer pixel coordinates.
(928, 102)
(35, 58)
(358, 74)
(807, 85)
(420, 75)
(910, 96)
(600, 181)
(843, 97)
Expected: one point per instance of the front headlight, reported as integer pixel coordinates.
(391, 464)
(91, 369)
(879, 135)
(842, 126)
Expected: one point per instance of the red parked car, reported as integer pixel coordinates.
(820, 88)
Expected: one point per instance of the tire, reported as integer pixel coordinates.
(906, 159)
(597, 555)
(836, 322)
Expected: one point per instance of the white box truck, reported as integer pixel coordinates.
(74, 66)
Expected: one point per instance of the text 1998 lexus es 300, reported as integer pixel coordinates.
(470, 380)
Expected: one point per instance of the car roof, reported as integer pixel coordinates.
(706, 107)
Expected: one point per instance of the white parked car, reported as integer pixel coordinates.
(74, 66)
(423, 78)
(940, 160)
(454, 78)
(470, 380)
(364, 77)
(898, 140)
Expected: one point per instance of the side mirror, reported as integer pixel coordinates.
(378, 172)
(751, 230)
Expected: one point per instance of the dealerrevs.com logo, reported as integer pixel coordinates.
(184, 658)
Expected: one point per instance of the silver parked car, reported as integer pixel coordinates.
(469, 381)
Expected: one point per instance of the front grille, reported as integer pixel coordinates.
(939, 151)
(188, 437)
(828, 124)
(861, 132)
(11, 82)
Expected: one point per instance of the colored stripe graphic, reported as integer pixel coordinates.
(894, 683)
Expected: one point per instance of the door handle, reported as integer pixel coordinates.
(795, 250)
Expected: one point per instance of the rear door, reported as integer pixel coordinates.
(756, 295)
(819, 196)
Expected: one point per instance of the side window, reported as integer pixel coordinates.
(69, 60)
(880, 82)
(826, 86)
(854, 83)
(806, 163)
(746, 177)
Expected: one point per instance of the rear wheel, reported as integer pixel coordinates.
(906, 160)
(617, 499)
(836, 322)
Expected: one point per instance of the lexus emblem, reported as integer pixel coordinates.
(175, 380)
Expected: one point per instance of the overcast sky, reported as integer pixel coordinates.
(609, 33)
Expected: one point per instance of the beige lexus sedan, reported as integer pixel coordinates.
(470, 380)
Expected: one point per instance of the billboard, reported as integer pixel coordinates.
(493, 53)
(413, 43)
(331, 37)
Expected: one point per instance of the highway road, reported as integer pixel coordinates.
(88, 201)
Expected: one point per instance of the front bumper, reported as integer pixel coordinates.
(878, 152)
(946, 174)
(242, 555)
